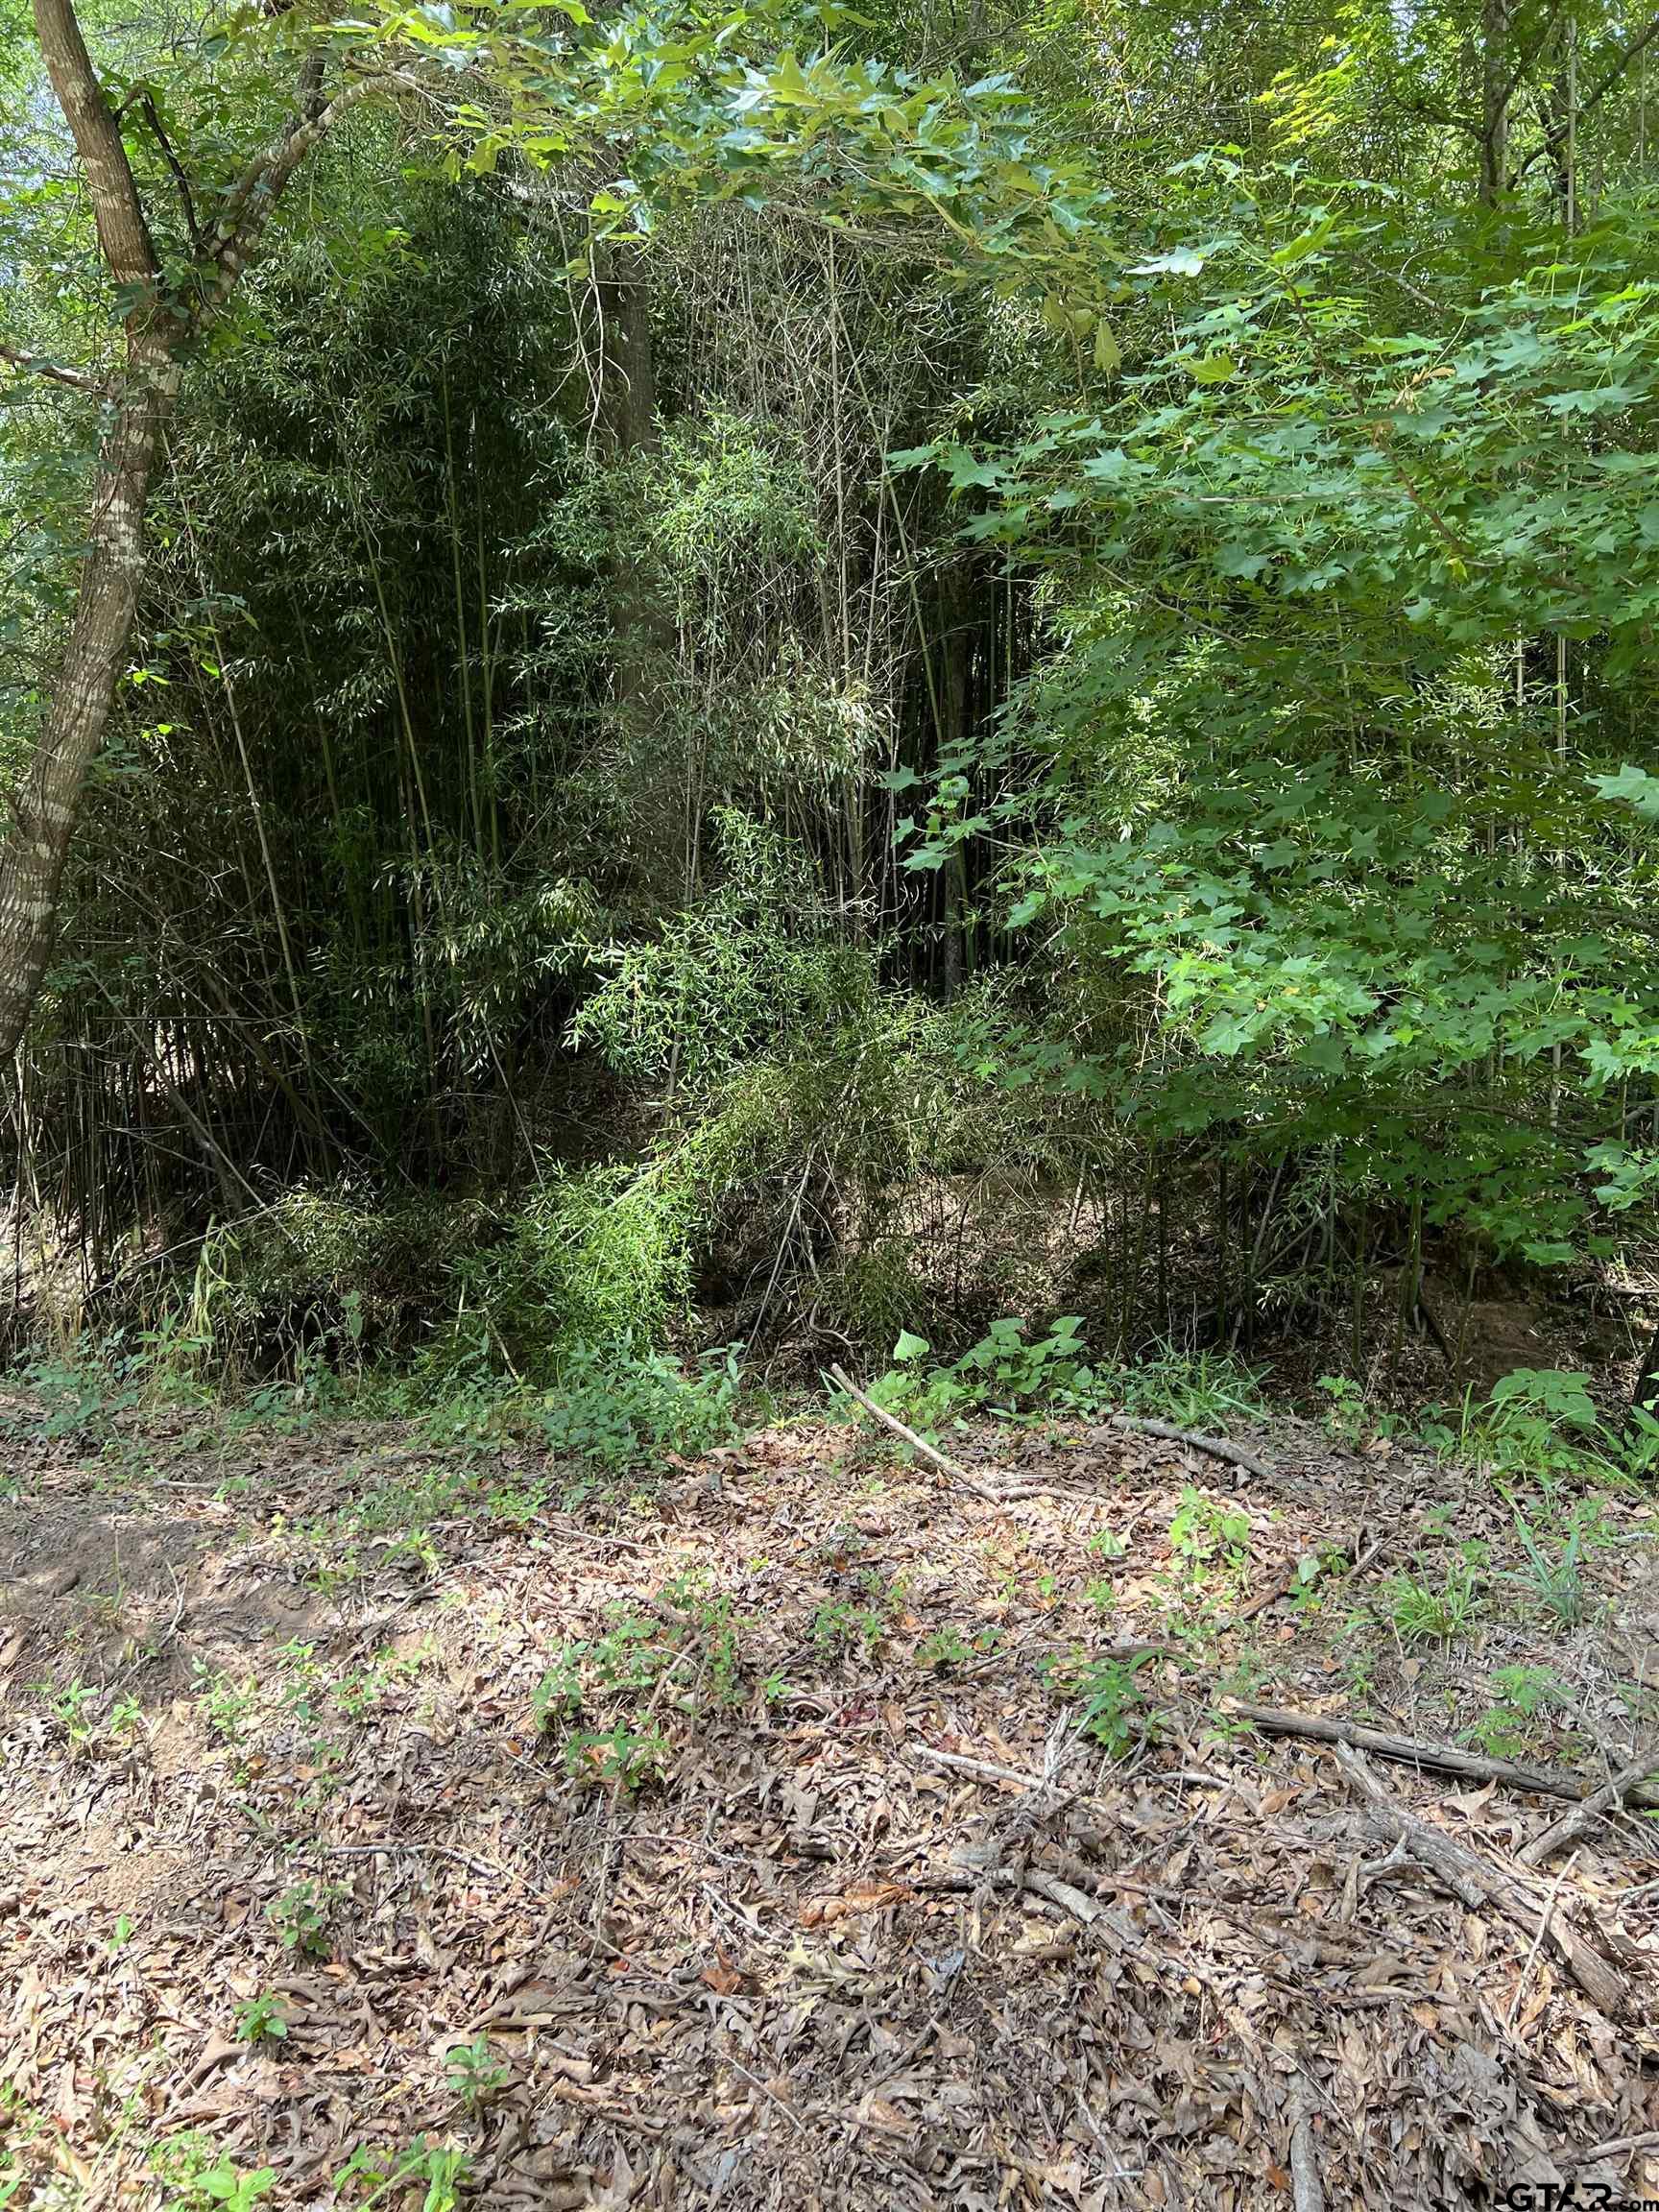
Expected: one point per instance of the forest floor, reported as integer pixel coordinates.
(803, 1828)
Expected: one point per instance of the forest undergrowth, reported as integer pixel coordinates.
(828, 1104)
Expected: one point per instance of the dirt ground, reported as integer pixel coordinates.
(805, 1828)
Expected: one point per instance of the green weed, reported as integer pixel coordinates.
(1004, 1370)
(199, 2178)
(620, 1409)
(1193, 1391)
(1521, 1696)
(1424, 1612)
(260, 2019)
(226, 1704)
(624, 1756)
(1556, 1583)
(1113, 1707)
(300, 1917)
(1210, 1546)
(475, 2071)
(372, 2175)
(942, 1650)
(74, 1707)
(844, 1624)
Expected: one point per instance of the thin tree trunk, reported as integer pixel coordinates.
(36, 844)
(1494, 100)
(45, 809)
(43, 823)
(627, 421)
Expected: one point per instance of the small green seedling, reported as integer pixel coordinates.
(371, 2175)
(300, 1917)
(73, 1706)
(1556, 1583)
(627, 1758)
(226, 1703)
(1113, 1708)
(475, 2071)
(1425, 1611)
(260, 2019)
(224, 2186)
(943, 1649)
(1209, 1543)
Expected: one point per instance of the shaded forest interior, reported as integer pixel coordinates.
(1013, 679)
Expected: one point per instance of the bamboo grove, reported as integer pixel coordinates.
(798, 675)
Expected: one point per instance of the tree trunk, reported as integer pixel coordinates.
(627, 368)
(46, 805)
(158, 332)
(640, 625)
(43, 819)
(1645, 1395)
(1494, 100)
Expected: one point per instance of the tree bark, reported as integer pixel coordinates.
(45, 807)
(1494, 100)
(626, 418)
(627, 367)
(157, 330)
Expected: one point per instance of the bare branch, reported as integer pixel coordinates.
(1519, 72)
(253, 198)
(39, 365)
(1556, 132)
(175, 169)
(1638, 45)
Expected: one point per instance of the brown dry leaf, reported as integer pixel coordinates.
(1470, 1802)
(862, 1897)
(1538, 1996)
(68, 2160)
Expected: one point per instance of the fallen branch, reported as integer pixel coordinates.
(918, 1443)
(1479, 1885)
(1217, 1446)
(1307, 2187)
(1621, 2147)
(1525, 1973)
(477, 1866)
(1405, 1751)
(1585, 1815)
(958, 1762)
(1036, 1881)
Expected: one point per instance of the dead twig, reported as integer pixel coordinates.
(1065, 1894)
(960, 1762)
(1217, 1446)
(1407, 1750)
(1538, 1940)
(918, 1443)
(1307, 2185)
(1478, 1885)
(1621, 2147)
(1585, 1815)
(480, 1867)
